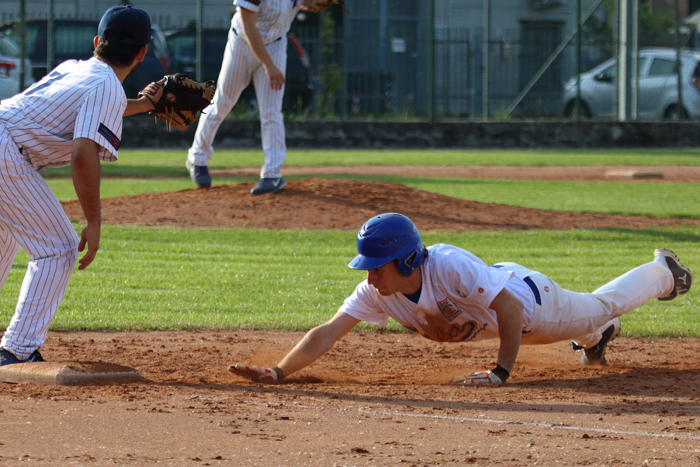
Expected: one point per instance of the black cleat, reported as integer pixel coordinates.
(596, 355)
(8, 358)
(682, 277)
(268, 185)
(199, 174)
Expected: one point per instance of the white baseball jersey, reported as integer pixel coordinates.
(239, 66)
(37, 128)
(78, 99)
(274, 17)
(456, 292)
(458, 288)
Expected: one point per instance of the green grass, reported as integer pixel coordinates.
(169, 278)
(171, 162)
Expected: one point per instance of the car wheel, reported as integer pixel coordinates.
(675, 112)
(571, 110)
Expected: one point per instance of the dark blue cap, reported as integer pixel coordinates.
(125, 25)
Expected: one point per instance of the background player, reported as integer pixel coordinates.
(447, 294)
(257, 49)
(72, 116)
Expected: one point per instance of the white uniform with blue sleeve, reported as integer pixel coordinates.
(239, 66)
(78, 99)
(458, 288)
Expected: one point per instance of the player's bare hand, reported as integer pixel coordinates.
(257, 374)
(275, 76)
(480, 377)
(90, 237)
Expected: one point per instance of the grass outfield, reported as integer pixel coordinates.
(170, 278)
(171, 162)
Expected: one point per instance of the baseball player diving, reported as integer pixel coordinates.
(447, 294)
(72, 116)
(257, 49)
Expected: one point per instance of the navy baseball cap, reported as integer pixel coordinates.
(125, 25)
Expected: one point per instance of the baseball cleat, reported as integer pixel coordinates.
(8, 358)
(596, 355)
(268, 185)
(199, 174)
(682, 277)
(35, 357)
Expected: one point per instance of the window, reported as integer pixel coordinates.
(8, 48)
(607, 75)
(74, 39)
(662, 67)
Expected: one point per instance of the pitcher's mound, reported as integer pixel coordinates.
(343, 205)
(64, 373)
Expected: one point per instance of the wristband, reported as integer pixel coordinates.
(501, 372)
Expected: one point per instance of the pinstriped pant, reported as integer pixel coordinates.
(32, 217)
(239, 66)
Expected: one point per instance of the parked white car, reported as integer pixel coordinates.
(657, 91)
(10, 69)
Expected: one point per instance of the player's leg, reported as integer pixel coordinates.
(8, 252)
(580, 316)
(271, 122)
(236, 70)
(34, 217)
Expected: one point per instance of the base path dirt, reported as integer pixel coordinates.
(374, 399)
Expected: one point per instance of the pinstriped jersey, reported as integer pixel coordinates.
(274, 17)
(78, 99)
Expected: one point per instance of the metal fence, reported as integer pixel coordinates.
(494, 59)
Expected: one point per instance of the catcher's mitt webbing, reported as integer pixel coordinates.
(177, 99)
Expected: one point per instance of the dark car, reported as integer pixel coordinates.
(154, 66)
(73, 41)
(181, 43)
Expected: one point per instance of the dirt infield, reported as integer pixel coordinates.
(341, 204)
(376, 398)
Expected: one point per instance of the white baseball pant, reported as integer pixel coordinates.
(563, 314)
(239, 66)
(32, 217)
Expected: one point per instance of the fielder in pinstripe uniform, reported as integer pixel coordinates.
(72, 116)
(257, 50)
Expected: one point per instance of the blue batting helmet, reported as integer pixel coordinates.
(389, 237)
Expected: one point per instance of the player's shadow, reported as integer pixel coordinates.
(632, 381)
(642, 391)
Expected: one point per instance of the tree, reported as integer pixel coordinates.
(330, 78)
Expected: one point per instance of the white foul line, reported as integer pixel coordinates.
(539, 425)
(559, 426)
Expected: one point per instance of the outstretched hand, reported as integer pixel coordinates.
(257, 374)
(479, 377)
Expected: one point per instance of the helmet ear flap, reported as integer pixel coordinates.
(407, 265)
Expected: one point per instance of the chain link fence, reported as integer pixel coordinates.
(488, 59)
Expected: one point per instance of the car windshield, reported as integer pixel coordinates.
(74, 39)
(8, 48)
